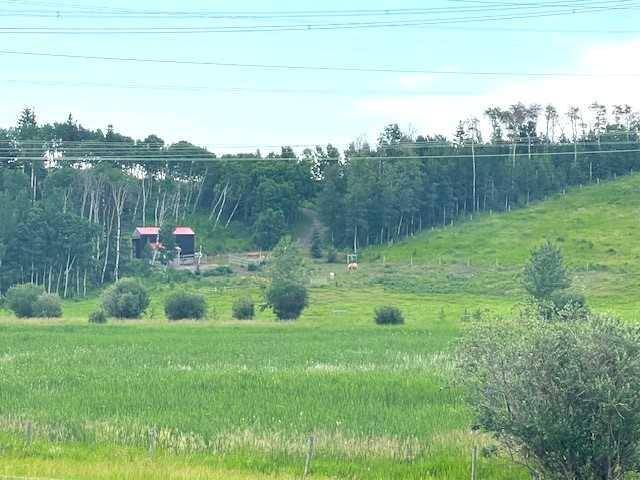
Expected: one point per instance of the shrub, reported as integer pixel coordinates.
(47, 306)
(388, 316)
(98, 316)
(185, 305)
(287, 300)
(332, 255)
(562, 396)
(253, 267)
(21, 299)
(219, 271)
(243, 309)
(127, 298)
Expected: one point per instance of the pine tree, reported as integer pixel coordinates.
(316, 245)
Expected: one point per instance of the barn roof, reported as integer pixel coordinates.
(147, 231)
(183, 231)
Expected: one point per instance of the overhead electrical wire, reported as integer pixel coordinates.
(61, 9)
(332, 68)
(115, 146)
(186, 158)
(608, 6)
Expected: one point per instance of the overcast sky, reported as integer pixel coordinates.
(281, 107)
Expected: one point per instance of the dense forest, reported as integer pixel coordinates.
(71, 196)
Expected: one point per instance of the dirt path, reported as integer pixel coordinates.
(313, 223)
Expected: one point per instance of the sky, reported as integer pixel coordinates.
(231, 109)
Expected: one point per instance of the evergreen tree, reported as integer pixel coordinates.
(316, 245)
(545, 273)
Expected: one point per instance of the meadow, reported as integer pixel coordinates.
(227, 399)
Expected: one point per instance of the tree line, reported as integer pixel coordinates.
(71, 196)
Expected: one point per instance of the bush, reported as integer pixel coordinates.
(185, 305)
(98, 316)
(332, 255)
(287, 300)
(253, 267)
(388, 316)
(562, 396)
(127, 298)
(219, 271)
(21, 299)
(47, 306)
(243, 309)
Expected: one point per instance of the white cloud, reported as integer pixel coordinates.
(440, 114)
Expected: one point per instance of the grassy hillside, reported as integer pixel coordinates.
(597, 228)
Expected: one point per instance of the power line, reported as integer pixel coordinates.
(620, 5)
(187, 158)
(100, 145)
(347, 68)
(59, 9)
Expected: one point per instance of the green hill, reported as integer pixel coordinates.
(596, 227)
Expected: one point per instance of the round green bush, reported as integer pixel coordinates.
(98, 316)
(127, 298)
(287, 300)
(388, 316)
(47, 306)
(243, 309)
(21, 299)
(185, 305)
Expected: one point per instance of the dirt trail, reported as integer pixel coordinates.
(313, 223)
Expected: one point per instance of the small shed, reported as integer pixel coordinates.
(142, 236)
(186, 240)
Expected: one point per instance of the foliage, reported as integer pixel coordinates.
(21, 299)
(98, 316)
(269, 228)
(47, 306)
(185, 305)
(287, 294)
(332, 255)
(545, 272)
(286, 264)
(563, 396)
(218, 271)
(564, 305)
(316, 245)
(243, 308)
(127, 298)
(254, 267)
(168, 242)
(388, 315)
(287, 300)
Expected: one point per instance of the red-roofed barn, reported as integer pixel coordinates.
(142, 236)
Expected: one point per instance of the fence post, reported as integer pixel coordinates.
(310, 452)
(474, 463)
(152, 441)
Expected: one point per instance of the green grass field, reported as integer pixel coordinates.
(239, 400)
